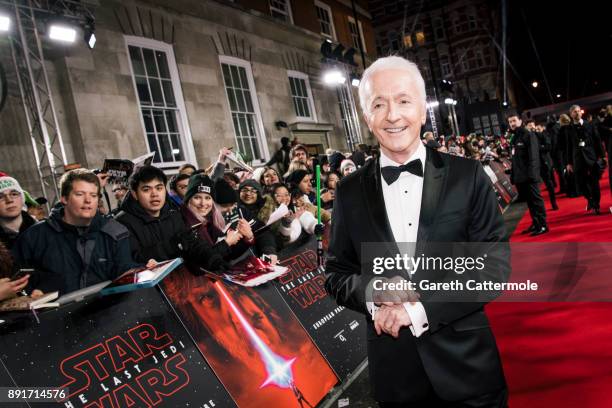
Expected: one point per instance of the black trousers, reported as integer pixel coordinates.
(531, 193)
(498, 399)
(587, 178)
(548, 178)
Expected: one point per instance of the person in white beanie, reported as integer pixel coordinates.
(347, 167)
(14, 218)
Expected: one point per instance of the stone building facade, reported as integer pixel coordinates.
(185, 77)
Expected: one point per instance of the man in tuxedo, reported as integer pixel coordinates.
(584, 153)
(421, 353)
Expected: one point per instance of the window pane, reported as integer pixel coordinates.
(150, 62)
(226, 75)
(292, 85)
(243, 78)
(232, 99)
(148, 120)
(171, 121)
(166, 149)
(156, 92)
(136, 58)
(160, 123)
(153, 147)
(168, 93)
(240, 97)
(162, 64)
(235, 76)
(143, 90)
(249, 103)
(178, 156)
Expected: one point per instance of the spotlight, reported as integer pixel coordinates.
(504, 103)
(334, 77)
(89, 33)
(433, 104)
(558, 95)
(534, 84)
(90, 39)
(62, 33)
(454, 102)
(448, 101)
(355, 80)
(5, 23)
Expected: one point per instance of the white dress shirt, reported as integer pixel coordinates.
(403, 205)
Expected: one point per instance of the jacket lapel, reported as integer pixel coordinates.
(372, 192)
(433, 184)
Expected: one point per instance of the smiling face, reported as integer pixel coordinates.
(248, 195)
(81, 204)
(201, 204)
(282, 196)
(396, 112)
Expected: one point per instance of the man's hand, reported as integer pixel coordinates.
(327, 196)
(151, 263)
(223, 153)
(390, 319)
(394, 297)
(103, 177)
(9, 289)
(244, 228)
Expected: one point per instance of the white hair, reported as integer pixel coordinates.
(392, 62)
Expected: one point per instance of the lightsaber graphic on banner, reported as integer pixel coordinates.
(278, 369)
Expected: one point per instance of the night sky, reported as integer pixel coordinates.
(576, 37)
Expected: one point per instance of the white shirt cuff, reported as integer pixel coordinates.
(418, 317)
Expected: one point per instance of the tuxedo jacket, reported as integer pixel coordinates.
(583, 145)
(458, 355)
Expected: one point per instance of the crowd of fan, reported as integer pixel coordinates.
(209, 217)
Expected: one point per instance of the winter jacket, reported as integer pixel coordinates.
(67, 258)
(164, 237)
(8, 237)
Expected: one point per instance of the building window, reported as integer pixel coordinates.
(407, 41)
(244, 108)
(438, 28)
(445, 66)
(472, 22)
(356, 31)
(326, 20)
(301, 94)
(281, 10)
(160, 101)
(420, 38)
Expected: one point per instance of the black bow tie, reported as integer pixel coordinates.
(392, 173)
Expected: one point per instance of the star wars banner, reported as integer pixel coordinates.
(338, 332)
(119, 351)
(252, 341)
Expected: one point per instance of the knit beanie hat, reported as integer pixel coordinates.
(251, 183)
(199, 183)
(345, 164)
(224, 193)
(8, 183)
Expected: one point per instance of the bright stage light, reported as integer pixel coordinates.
(5, 23)
(62, 33)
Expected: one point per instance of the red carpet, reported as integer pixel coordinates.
(559, 354)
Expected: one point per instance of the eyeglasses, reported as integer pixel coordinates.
(283, 195)
(248, 190)
(13, 195)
